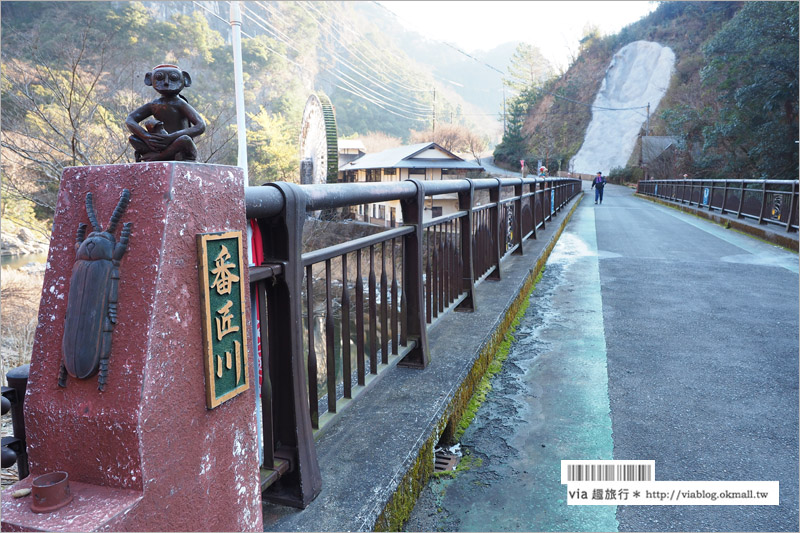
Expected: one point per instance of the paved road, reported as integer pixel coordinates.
(652, 335)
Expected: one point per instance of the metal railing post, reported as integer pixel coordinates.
(792, 207)
(741, 201)
(282, 236)
(711, 197)
(518, 218)
(545, 208)
(559, 189)
(532, 189)
(465, 201)
(763, 202)
(494, 230)
(416, 331)
(15, 393)
(724, 197)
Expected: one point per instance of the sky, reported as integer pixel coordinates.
(554, 27)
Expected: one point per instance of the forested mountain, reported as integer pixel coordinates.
(72, 71)
(731, 105)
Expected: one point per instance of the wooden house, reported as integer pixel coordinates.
(424, 161)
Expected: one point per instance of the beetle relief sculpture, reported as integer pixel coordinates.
(92, 300)
(169, 134)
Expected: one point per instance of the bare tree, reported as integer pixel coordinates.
(56, 114)
(476, 144)
(378, 141)
(452, 137)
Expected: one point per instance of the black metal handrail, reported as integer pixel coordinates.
(14, 446)
(374, 297)
(767, 201)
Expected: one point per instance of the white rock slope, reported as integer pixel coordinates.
(639, 73)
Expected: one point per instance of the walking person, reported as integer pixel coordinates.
(598, 183)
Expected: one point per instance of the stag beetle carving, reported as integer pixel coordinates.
(92, 300)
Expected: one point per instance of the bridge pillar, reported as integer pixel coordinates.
(145, 453)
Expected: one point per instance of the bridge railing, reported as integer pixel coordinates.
(331, 320)
(767, 201)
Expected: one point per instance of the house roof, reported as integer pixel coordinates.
(653, 146)
(410, 157)
(350, 144)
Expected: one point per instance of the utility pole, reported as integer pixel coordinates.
(647, 129)
(241, 131)
(434, 113)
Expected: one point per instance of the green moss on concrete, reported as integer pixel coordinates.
(400, 505)
(496, 364)
(765, 241)
(399, 508)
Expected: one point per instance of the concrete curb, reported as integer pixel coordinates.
(399, 508)
(376, 457)
(787, 240)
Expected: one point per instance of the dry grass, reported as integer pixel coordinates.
(19, 306)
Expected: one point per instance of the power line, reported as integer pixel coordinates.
(444, 43)
(501, 72)
(351, 67)
(301, 67)
(397, 104)
(377, 99)
(355, 51)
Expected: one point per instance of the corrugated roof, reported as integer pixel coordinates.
(403, 157)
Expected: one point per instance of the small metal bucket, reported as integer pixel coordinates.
(50, 492)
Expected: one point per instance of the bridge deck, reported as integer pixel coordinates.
(368, 449)
(652, 335)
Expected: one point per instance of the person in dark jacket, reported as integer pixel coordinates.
(598, 183)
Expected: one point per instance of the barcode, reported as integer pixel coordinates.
(607, 471)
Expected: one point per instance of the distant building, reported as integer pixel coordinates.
(350, 150)
(424, 161)
(658, 156)
(653, 147)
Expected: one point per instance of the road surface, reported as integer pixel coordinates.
(652, 335)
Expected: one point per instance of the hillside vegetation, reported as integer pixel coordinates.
(731, 104)
(72, 71)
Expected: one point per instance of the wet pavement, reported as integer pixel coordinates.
(651, 335)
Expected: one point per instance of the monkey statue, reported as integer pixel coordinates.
(170, 136)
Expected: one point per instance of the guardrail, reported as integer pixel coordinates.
(14, 449)
(372, 298)
(767, 201)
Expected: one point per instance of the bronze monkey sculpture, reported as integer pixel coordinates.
(172, 140)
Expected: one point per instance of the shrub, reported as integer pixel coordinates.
(621, 176)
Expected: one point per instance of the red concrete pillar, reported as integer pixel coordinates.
(144, 454)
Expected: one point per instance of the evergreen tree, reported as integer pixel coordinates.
(753, 67)
(528, 68)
